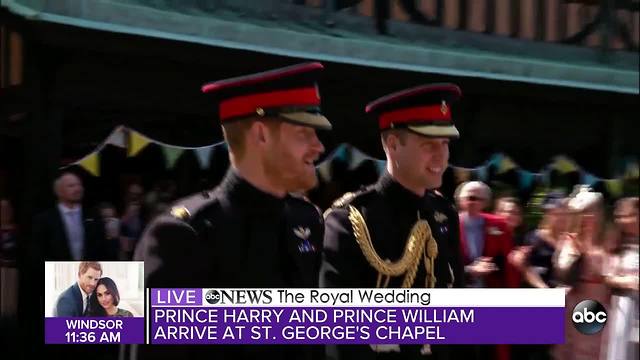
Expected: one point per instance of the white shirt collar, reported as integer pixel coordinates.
(65, 210)
(84, 294)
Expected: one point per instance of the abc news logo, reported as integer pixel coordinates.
(589, 317)
(214, 297)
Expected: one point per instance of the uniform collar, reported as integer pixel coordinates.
(240, 190)
(397, 193)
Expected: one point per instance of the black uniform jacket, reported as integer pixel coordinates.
(390, 212)
(235, 236)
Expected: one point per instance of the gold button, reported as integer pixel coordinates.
(260, 111)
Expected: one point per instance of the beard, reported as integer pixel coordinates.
(284, 169)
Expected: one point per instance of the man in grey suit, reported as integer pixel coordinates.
(75, 300)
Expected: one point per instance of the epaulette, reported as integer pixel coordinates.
(343, 200)
(346, 199)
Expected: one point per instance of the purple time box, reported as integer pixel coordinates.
(94, 330)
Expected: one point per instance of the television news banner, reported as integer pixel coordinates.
(327, 316)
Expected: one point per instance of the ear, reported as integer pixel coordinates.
(392, 142)
(259, 133)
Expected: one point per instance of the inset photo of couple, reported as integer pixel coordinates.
(94, 289)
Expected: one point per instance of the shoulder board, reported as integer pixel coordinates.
(343, 200)
(348, 198)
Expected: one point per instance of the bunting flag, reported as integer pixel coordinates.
(614, 187)
(588, 178)
(564, 164)
(340, 153)
(357, 158)
(461, 174)
(632, 171)
(482, 173)
(91, 163)
(381, 165)
(526, 179)
(352, 157)
(137, 142)
(324, 171)
(203, 154)
(171, 155)
(117, 138)
(506, 164)
(496, 160)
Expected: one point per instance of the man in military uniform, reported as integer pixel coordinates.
(249, 231)
(399, 232)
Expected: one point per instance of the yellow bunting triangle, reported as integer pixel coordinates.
(91, 163)
(324, 170)
(564, 165)
(506, 164)
(137, 142)
(614, 186)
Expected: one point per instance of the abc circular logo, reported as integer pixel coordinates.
(589, 317)
(213, 296)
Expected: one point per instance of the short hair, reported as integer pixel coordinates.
(85, 265)
(469, 185)
(111, 287)
(58, 180)
(401, 134)
(235, 133)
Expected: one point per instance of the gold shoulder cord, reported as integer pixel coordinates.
(419, 236)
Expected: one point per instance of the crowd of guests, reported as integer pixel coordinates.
(575, 245)
(71, 231)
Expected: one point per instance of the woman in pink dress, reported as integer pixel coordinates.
(579, 262)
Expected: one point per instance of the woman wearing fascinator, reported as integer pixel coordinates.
(579, 267)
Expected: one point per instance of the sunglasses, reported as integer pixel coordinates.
(474, 198)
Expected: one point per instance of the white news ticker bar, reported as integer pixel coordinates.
(243, 297)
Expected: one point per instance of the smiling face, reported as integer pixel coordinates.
(419, 160)
(289, 154)
(104, 296)
(473, 199)
(88, 280)
(511, 212)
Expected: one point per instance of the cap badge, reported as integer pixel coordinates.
(444, 108)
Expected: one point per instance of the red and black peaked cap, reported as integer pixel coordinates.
(423, 109)
(289, 93)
